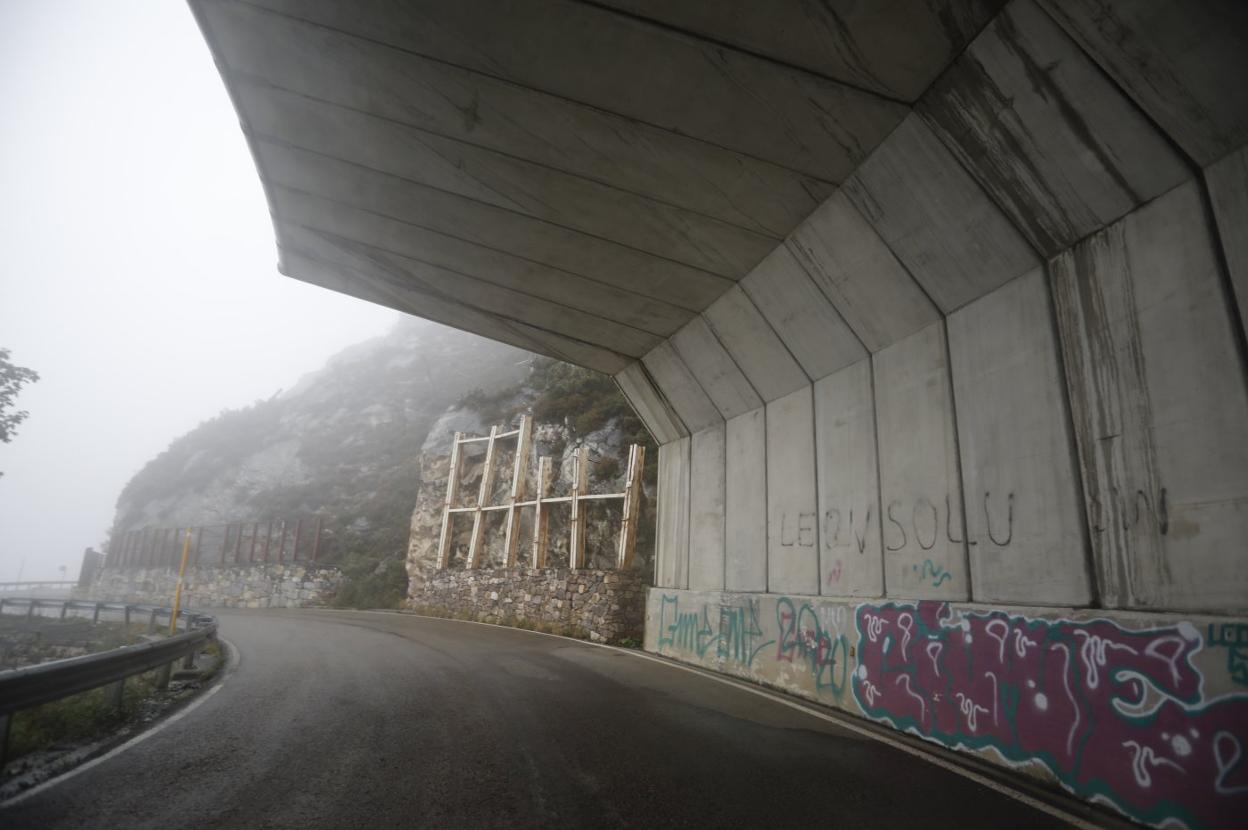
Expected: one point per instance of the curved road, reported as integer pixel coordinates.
(381, 720)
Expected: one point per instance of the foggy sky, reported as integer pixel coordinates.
(138, 272)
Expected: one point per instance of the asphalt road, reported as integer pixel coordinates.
(344, 720)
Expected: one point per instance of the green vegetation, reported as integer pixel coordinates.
(12, 379)
(369, 584)
(91, 715)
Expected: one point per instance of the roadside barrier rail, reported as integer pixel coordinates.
(28, 686)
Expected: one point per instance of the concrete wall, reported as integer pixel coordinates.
(1004, 364)
(1057, 694)
(247, 586)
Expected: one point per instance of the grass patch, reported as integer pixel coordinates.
(93, 715)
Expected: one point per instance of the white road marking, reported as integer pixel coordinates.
(139, 738)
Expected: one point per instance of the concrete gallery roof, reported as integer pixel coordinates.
(587, 179)
(576, 179)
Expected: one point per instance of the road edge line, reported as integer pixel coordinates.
(230, 665)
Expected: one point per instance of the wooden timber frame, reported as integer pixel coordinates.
(515, 502)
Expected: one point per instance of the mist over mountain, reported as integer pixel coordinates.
(345, 443)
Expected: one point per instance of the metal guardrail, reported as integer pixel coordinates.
(37, 583)
(28, 686)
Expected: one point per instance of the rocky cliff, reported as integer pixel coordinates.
(354, 441)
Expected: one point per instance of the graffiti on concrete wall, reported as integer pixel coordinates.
(1116, 714)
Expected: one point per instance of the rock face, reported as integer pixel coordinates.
(598, 602)
(252, 586)
(342, 443)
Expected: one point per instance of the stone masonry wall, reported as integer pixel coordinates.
(253, 586)
(599, 605)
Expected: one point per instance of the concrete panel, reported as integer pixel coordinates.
(1183, 63)
(858, 43)
(383, 289)
(1160, 408)
(478, 262)
(811, 329)
(755, 347)
(706, 510)
(1024, 518)
(855, 269)
(714, 369)
(581, 53)
(792, 512)
(653, 409)
(851, 562)
(920, 490)
(671, 568)
(681, 388)
(1228, 189)
(405, 88)
(745, 568)
(954, 241)
(491, 177)
(490, 227)
(1045, 132)
(474, 293)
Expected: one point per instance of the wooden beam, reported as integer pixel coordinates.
(510, 541)
(539, 515)
(580, 475)
(632, 507)
(452, 492)
(487, 485)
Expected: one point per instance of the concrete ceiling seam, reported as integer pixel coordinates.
(396, 280)
(272, 106)
(729, 254)
(796, 119)
(643, 273)
(1045, 133)
(449, 253)
(653, 408)
(681, 387)
(754, 345)
(936, 219)
(715, 369)
(1194, 95)
(451, 313)
(860, 275)
(590, 328)
(853, 43)
(811, 328)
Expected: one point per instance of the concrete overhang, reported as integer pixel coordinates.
(578, 179)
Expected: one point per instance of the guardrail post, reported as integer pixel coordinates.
(30, 610)
(127, 620)
(95, 618)
(162, 679)
(6, 721)
(119, 694)
(64, 609)
(151, 622)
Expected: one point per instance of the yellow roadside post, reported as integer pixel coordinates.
(177, 594)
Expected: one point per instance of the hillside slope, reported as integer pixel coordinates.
(346, 443)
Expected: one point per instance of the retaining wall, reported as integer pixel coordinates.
(1143, 712)
(599, 605)
(249, 586)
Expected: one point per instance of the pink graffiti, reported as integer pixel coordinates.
(1113, 712)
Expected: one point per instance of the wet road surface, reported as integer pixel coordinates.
(346, 719)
